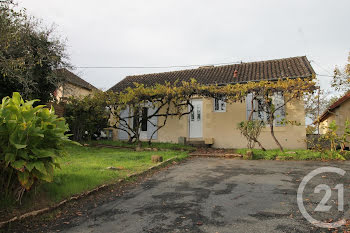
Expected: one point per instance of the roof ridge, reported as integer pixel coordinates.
(71, 76)
(209, 68)
(336, 104)
(271, 70)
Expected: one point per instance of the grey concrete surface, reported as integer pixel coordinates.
(217, 195)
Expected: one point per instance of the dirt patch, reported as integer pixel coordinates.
(214, 152)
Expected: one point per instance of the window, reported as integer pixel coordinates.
(219, 105)
(192, 115)
(198, 113)
(260, 111)
(280, 113)
(144, 119)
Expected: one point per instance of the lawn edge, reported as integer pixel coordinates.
(99, 145)
(216, 155)
(87, 193)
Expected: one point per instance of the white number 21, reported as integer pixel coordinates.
(322, 206)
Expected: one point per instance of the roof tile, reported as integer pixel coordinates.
(73, 79)
(293, 67)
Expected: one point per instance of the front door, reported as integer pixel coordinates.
(196, 119)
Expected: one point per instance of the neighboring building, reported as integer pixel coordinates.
(215, 121)
(72, 85)
(338, 111)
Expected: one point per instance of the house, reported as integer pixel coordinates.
(72, 85)
(339, 111)
(215, 121)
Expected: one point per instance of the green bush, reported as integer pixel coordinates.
(86, 116)
(251, 130)
(31, 139)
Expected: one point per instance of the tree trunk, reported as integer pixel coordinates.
(261, 146)
(137, 140)
(274, 137)
(139, 144)
(252, 111)
(130, 140)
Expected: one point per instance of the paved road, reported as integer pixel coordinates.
(216, 195)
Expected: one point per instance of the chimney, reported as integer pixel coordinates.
(235, 74)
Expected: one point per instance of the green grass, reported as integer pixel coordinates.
(298, 155)
(158, 145)
(86, 168)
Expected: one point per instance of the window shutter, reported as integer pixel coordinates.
(216, 104)
(150, 126)
(248, 101)
(122, 135)
(280, 114)
(144, 121)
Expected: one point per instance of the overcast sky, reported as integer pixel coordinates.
(166, 33)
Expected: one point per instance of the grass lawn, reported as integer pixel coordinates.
(158, 145)
(85, 168)
(298, 155)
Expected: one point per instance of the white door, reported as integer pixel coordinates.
(196, 119)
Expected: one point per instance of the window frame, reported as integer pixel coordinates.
(220, 101)
(262, 114)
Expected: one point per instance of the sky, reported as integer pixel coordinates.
(171, 33)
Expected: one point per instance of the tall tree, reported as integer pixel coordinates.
(29, 53)
(316, 103)
(341, 79)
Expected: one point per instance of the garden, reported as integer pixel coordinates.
(41, 166)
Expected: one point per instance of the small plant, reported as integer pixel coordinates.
(335, 138)
(331, 135)
(345, 137)
(251, 131)
(31, 139)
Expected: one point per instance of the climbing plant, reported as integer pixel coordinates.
(174, 99)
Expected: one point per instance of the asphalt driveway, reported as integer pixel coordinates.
(215, 195)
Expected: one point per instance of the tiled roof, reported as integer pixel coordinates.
(73, 79)
(336, 104)
(293, 67)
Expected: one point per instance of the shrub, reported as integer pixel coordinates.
(31, 139)
(251, 131)
(331, 135)
(344, 138)
(335, 138)
(86, 116)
